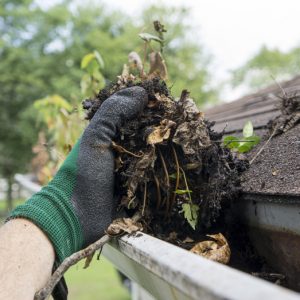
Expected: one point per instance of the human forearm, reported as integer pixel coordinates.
(26, 260)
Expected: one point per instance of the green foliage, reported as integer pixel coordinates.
(147, 37)
(64, 124)
(191, 213)
(248, 129)
(173, 176)
(92, 81)
(266, 65)
(181, 192)
(190, 210)
(244, 144)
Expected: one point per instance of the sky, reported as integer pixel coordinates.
(231, 30)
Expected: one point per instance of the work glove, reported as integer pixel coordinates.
(76, 207)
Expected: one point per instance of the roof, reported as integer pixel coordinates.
(259, 107)
(276, 170)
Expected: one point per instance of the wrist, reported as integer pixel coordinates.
(26, 259)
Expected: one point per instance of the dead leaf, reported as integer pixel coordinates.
(123, 225)
(135, 61)
(125, 71)
(192, 166)
(188, 240)
(145, 162)
(192, 134)
(157, 66)
(172, 236)
(118, 163)
(161, 99)
(125, 77)
(161, 132)
(217, 250)
(275, 172)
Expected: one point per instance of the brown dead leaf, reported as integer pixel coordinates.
(161, 132)
(125, 77)
(142, 164)
(135, 61)
(118, 163)
(217, 250)
(123, 225)
(188, 240)
(192, 134)
(152, 103)
(172, 236)
(163, 100)
(157, 66)
(125, 71)
(192, 166)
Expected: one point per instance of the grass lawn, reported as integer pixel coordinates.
(3, 206)
(98, 282)
(16, 202)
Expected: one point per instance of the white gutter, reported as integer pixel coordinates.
(171, 273)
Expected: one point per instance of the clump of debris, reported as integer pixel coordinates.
(290, 114)
(170, 164)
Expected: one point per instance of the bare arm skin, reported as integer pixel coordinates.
(26, 260)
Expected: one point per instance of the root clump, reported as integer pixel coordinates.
(170, 164)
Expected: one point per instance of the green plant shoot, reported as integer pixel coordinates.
(244, 144)
(190, 211)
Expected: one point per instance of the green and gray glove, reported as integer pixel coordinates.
(76, 207)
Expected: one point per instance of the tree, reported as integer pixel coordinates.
(40, 55)
(266, 65)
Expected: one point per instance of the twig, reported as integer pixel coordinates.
(279, 85)
(240, 141)
(166, 173)
(177, 177)
(184, 95)
(263, 146)
(164, 167)
(160, 29)
(157, 191)
(123, 150)
(45, 292)
(131, 200)
(145, 57)
(145, 198)
(186, 185)
(88, 260)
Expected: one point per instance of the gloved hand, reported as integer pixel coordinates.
(76, 207)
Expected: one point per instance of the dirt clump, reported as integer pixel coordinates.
(170, 164)
(290, 114)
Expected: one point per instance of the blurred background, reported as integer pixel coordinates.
(56, 53)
